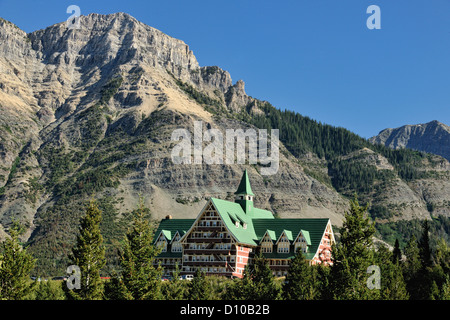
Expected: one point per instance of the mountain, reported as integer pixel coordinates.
(432, 137)
(90, 112)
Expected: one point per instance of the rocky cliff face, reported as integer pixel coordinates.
(432, 137)
(68, 93)
(91, 111)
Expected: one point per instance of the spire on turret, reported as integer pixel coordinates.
(244, 194)
(244, 187)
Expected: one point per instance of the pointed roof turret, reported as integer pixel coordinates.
(244, 186)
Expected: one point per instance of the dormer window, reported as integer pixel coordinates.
(283, 244)
(162, 243)
(266, 244)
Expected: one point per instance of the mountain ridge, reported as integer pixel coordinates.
(432, 137)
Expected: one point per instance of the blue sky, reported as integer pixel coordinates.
(316, 57)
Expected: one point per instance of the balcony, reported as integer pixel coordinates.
(208, 240)
(215, 263)
(209, 228)
(210, 251)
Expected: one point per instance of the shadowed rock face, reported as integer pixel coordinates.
(91, 112)
(432, 137)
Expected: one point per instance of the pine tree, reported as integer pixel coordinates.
(89, 255)
(425, 289)
(240, 289)
(353, 255)
(397, 253)
(322, 281)
(175, 289)
(424, 246)
(442, 256)
(440, 272)
(393, 286)
(257, 283)
(445, 290)
(49, 290)
(15, 267)
(262, 280)
(299, 283)
(357, 231)
(140, 279)
(199, 288)
(412, 263)
(411, 267)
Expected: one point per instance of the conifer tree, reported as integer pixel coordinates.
(440, 272)
(89, 255)
(140, 279)
(299, 284)
(321, 281)
(257, 283)
(412, 263)
(393, 286)
(425, 288)
(397, 253)
(445, 290)
(199, 288)
(411, 267)
(442, 257)
(49, 290)
(263, 286)
(424, 246)
(15, 267)
(175, 289)
(240, 289)
(353, 255)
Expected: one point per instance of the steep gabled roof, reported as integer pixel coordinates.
(306, 235)
(169, 227)
(232, 212)
(244, 186)
(312, 229)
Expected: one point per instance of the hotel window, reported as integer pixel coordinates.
(266, 245)
(283, 245)
(162, 243)
(176, 247)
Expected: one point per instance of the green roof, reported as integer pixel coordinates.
(311, 228)
(305, 234)
(231, 212)
(259, 221)
(271, 234)
(169, 227)
(244, 186)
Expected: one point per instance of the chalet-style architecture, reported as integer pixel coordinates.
(225, 236)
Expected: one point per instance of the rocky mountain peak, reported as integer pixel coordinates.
(432, 137)
(113, 39)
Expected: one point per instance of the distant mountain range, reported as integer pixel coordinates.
(432, 137)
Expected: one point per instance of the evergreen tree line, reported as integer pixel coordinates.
(360, 270)
(301, 134)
